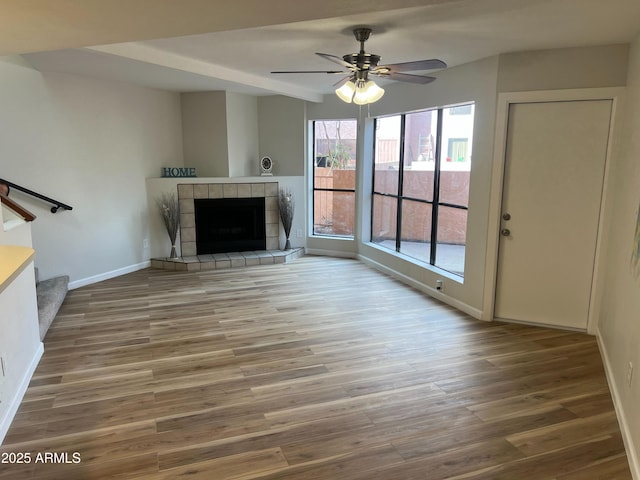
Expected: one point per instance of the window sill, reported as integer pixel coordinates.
(334, 237)
(414, 261)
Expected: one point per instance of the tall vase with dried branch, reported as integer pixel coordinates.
(170, 211)
(286, 206)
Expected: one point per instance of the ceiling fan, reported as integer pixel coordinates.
(356, 87)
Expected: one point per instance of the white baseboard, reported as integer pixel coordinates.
(107, 275)
(634, 465)
(329, 253)
(432, 292)
(14, 403)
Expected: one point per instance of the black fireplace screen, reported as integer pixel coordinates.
(230, 225)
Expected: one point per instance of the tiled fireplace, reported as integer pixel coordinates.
(188, 192)
(191, 261)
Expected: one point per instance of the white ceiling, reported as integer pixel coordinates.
(159, 45)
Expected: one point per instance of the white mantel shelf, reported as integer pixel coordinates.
(250, 179)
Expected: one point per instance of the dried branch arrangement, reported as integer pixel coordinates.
(286, 206)
(170, 211)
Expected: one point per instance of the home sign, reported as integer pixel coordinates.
(179, 172)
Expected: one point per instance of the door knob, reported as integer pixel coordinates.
(506, 216)
(505, 232)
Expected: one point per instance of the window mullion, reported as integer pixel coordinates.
(436, 190)
(400, 185)
(373, 175)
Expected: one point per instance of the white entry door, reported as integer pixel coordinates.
(554, 170)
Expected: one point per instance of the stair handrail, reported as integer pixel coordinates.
(17, 208)
(56, 203)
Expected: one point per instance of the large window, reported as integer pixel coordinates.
(334, 177)
(422, 164)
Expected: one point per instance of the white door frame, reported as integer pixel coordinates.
(614, 94)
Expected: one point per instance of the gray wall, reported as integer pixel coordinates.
(242, 135)
(282, 133)
(220, 133)
(619, 327)
(584, 67)
(90, 144)
(204, 132)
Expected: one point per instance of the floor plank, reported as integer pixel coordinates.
(317, 369)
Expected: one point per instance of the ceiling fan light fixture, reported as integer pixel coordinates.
(356, 86)
(346, 91)
(367, 92)
(374, 92)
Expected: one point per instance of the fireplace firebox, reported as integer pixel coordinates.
(230, 225)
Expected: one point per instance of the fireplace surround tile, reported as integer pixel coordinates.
(187, 220)
(244, 190)
(257, 190)
(201, 190)
(272, 230)
(272, 243)
(271, 203)
(188, 248)
(271, 216)
(187, 193)
(230, 190)
(215, 190)
(188, 234)
(186, 205)
(271, 189)
(185, 190)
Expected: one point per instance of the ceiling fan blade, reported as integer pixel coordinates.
(342, 81)
(313, 71)
(338, 60)
(405, 77)
(432, 64)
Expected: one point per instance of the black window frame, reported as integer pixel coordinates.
(435, 203)
(314, 189)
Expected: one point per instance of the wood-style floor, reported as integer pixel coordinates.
(317, 369)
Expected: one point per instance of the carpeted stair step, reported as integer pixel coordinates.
(51, 294)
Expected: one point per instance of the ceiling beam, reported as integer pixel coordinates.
(43, 25)
(146, 54)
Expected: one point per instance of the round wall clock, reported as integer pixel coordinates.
(266, 165)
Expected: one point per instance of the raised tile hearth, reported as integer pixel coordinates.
(218, 261)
